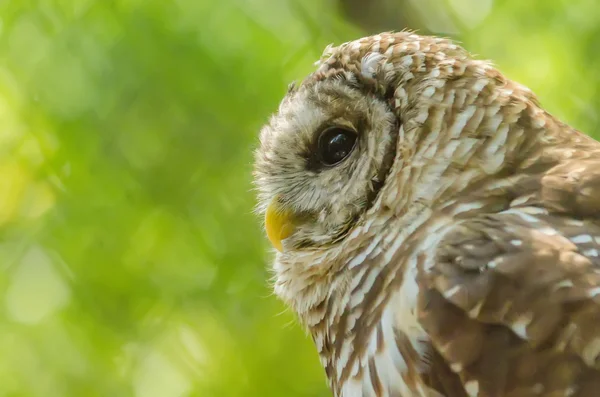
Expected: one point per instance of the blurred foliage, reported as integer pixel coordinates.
(132, 264)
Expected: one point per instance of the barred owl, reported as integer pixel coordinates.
(437, 231)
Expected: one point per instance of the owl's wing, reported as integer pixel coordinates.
(512, 303)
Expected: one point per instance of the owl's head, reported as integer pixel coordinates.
(326, 153)
(397, 115)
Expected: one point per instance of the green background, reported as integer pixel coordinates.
(131, 261)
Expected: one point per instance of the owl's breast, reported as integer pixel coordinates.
(373, 344)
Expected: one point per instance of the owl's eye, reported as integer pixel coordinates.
(335, 144)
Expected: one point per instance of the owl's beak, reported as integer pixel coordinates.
(278, 223)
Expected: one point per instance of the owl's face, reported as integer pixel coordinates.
(322, 160)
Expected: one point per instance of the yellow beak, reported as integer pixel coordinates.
(279, 224)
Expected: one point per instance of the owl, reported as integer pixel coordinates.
(437, 232)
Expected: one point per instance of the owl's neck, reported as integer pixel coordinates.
(373, 315)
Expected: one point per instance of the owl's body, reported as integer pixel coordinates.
(439, 231)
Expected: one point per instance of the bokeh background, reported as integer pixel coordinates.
(131, 262)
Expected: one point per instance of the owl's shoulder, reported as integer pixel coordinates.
(519, 291)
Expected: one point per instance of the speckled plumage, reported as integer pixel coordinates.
(456, 251)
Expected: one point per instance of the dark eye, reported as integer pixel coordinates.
(335, 144)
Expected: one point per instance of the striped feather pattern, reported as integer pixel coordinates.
(475, 269)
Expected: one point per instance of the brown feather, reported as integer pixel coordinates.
(456, 251)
